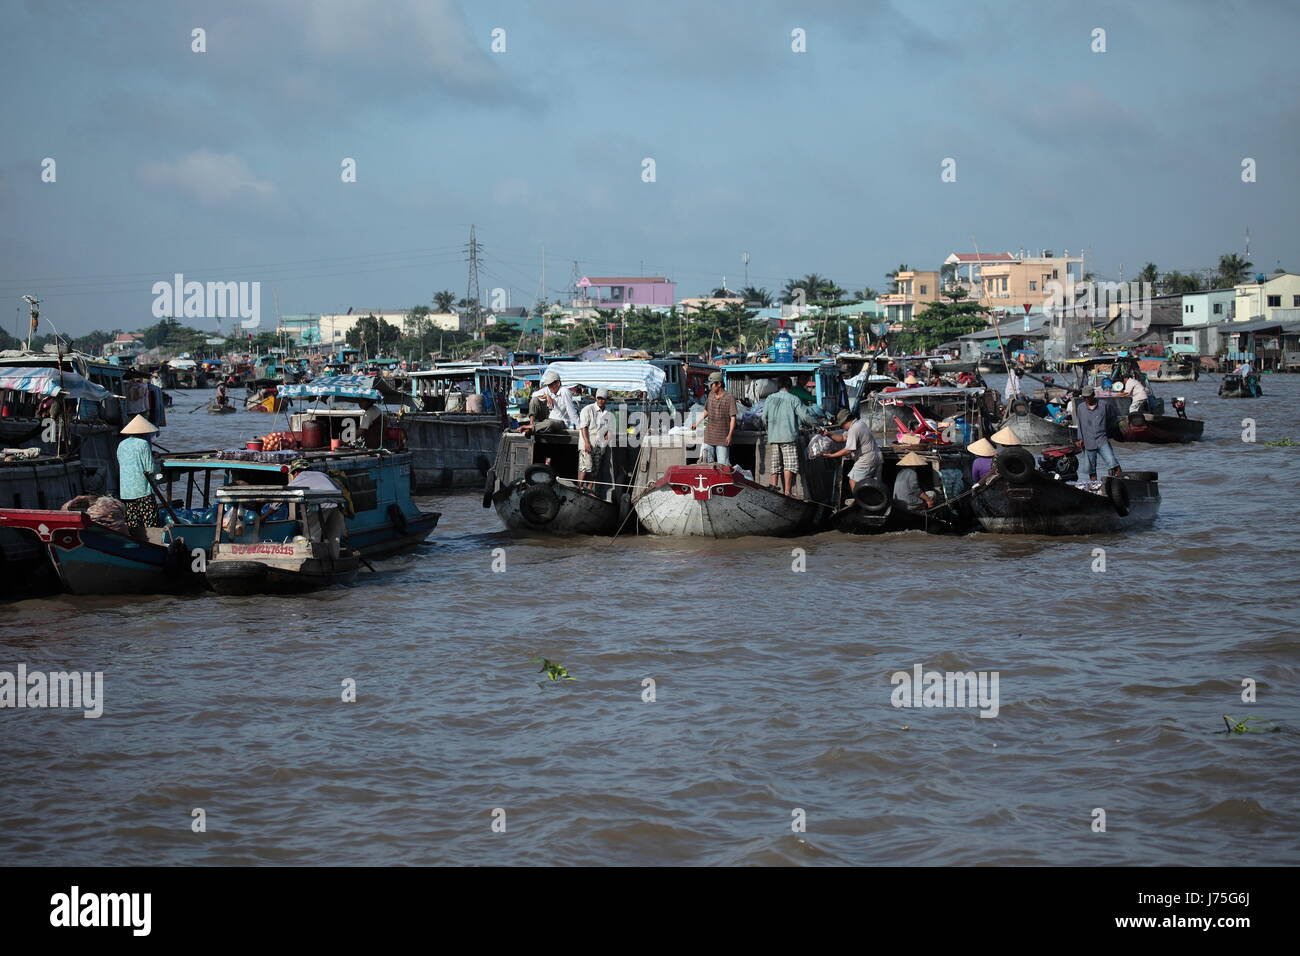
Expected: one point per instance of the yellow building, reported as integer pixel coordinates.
(916, 288)
(1000, 280)
(1277, 299)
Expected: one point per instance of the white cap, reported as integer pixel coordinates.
(550, 376)
(602, 393)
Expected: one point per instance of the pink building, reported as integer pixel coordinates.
(614, 292)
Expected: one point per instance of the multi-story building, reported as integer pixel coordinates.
(914, 289)
(1277, 298)
(1001, 280)
(1203, 313)
(615, 292)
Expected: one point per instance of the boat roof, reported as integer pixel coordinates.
(909, 394)
(450, 370)
(771, 367)
(632, 375)
(275, 493)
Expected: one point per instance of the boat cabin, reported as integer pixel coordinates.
(462, 389)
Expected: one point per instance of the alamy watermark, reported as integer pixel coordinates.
(79, 690)
(208, 300)
(946, 689)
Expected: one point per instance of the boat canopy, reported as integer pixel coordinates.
(52, 381)
(276, 493)
(345, 386)
(626, 376)
(923, 393)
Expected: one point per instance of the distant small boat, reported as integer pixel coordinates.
(215, 409)
(1234, 386)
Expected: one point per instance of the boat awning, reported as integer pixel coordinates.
(627, 376)
(346, 386)
(922, 393)
(52, 381)
(277, 493)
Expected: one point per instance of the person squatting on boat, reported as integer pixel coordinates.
(594, 427)
(858, 441)
(328, 522)
(782, 413)
(135, 465)
(551, 408)
(720, 421)
(1137, 393)
(1094, 420)
(907, 485)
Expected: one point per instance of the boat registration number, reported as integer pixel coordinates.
(261, 549)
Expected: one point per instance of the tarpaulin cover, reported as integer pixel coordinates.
(52, 381)
(345, 386)
(615, 376)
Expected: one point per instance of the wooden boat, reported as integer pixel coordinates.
(1233, 386)
(454, 434)
(91, 559)
(538, 501)
(870, 508)
(382, 519)
(1176, 370)
(1019, 498)
(311, 557)
(1158, 429)
(717, 501)
(272, 403)
(215, 409)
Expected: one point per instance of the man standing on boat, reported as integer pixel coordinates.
(594, 428)
(1094, 421)
(1013, 391)
(134, 466)
(782, 413)
(858, 441)
(720, 416)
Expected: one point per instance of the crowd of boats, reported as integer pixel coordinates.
(609, 445)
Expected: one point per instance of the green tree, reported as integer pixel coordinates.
(156, 335)
(867, 294)
(942, 322)
(1233, 271)
(816, 288)
(378, 335)
(1150, 274)
(893, 277)
(1176, 282)
(759, 297)
(444, 300)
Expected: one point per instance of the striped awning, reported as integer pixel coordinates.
(52, 381)
(615, 376)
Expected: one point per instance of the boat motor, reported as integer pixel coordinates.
(1180, 406)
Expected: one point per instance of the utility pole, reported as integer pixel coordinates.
(473, 249)
(744, 257)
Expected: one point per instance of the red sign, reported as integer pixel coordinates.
(1026, 305)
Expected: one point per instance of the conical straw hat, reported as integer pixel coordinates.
(1005, 437)
(912, 458)
(984, 448)
(139, 426)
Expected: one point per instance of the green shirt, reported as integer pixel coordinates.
(134, 461)
(782, 413)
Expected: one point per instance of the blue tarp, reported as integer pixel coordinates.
(52, 381)
(624, 376)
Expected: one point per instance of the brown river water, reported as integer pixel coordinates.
(772, 694)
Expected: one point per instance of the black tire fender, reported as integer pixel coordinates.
(1015, 464)
(539, 505)
(872, 496)
(540, 474)
(489, 487)
(1117, 491)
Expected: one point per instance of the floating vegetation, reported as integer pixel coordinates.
(552, 670)
(1282, 443)
(1243, 726)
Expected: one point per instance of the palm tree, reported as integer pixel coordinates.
(1149, 274)
(815, 288)
(867, 294)
(1233, 270)
(759, 297)
(444, 300)
(893, 276)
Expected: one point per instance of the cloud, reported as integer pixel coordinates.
(211, 178)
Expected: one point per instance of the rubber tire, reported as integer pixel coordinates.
(488, 487)
(872, 496)
(1117, 491)
(539, 505)
(1015, 465)
(1143, 475)
(532, 471)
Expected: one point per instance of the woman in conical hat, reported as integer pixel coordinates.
(134, 465)
(907, 484)
(983, 451)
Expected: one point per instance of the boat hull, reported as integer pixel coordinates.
(1159, 429)
(238, 578)
(578, 512)
(451, 451)
(1043, 505)
(714, 502)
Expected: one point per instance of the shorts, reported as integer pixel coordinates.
(718, 454)
(782, 456)
(142, 513)
(867, 466)
(589, 461)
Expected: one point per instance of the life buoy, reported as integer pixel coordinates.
(398, 517)
(1117, 491)
(1015, 464)
(489, 487)
(539, 505)
(872, 496)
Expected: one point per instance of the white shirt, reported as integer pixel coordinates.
(598, 424)
(562, 407)
(1137, 392)
(1013, 386)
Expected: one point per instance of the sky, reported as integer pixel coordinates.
(226, 165)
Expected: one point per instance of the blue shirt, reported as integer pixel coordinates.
(134, 461)
(782, 413)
